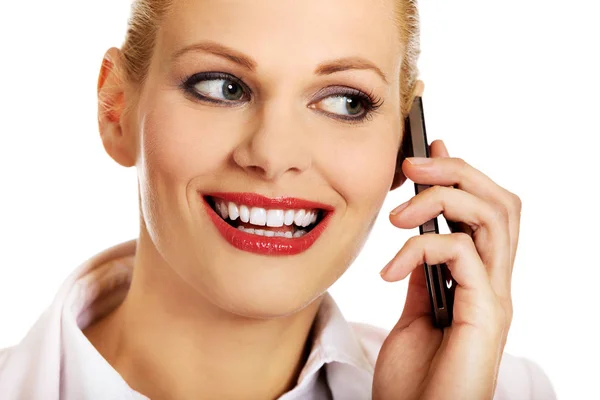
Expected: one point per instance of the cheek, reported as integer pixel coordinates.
(362, 171)
(180, 143)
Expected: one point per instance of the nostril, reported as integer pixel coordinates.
(257, 170)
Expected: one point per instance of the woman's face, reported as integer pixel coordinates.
(272, 98)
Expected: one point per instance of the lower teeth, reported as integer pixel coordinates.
(264, 232)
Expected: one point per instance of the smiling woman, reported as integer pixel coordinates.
(264, 150)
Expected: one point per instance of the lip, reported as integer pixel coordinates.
(256, 200)
(275, 246)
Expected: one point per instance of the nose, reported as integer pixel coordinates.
(275, 144)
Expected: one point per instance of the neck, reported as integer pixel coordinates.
(168, 341)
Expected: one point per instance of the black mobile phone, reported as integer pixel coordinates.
(440, 284)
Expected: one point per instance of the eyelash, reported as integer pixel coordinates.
(369, 101)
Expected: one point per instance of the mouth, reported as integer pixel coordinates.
(280, 226)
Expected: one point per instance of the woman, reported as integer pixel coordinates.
(265, 135)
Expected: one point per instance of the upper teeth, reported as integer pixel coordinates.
(262, 216)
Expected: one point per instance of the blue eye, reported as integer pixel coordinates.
(216, 87)
(343, 105)
(346, 104)
(337, 102)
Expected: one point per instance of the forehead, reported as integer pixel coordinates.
(290, 32)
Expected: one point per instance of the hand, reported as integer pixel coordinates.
(417, 360)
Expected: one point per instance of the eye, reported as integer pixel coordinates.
(343, 105)
(216, 87)
(220, 89)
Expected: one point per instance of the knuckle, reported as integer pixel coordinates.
(500, 214)
(517, 203)
(514, 204)
(433, 190)
(437, 189)
(460, 162)
(413, 241)
(462, 242)
(462, 168)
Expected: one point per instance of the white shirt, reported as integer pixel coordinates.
(56, 361)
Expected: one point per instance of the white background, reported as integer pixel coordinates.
(511, 86)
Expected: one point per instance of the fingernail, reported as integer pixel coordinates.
(385, 269)
(400, 208)
(419, 160)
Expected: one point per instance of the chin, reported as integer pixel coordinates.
(265, 293)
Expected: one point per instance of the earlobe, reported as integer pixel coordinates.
(111, 107)
(399, 177)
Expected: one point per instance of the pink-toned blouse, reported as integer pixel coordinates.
(56, 361)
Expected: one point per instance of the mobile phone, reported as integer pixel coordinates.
(440, 284)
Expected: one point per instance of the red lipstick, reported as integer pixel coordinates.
(263, 244)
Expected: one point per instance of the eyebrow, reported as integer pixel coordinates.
(325, 68)
(348, 63)
(218, 50)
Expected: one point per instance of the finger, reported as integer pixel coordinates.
(457, 250)
(437, 149)
(456, 172)
(488, 224)
(475, 300)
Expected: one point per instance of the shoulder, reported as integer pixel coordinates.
(518, 378)
(4, 366)
(3, 356)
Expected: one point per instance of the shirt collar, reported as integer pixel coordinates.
(101, 283)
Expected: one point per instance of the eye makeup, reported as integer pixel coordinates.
(188, 85)
(369, 102)
(348, 98)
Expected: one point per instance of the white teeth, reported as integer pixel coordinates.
(265, 217)
(307, 219)
(275, 218)
(258, 216)
(269, 233)
(244, 213)
(299, 217)
(289, 217)
(233, 211)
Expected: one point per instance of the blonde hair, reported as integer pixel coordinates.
(146, 16)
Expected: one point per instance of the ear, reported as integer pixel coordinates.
(117, 141)
(399, 177)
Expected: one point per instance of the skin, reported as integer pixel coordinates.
(281, 143)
